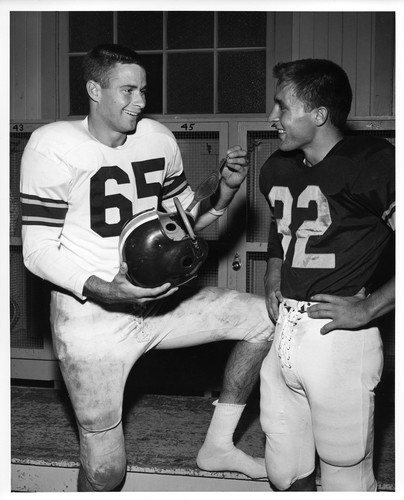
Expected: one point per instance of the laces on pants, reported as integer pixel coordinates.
(293, 317)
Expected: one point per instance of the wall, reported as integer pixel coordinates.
(363, 43)
(33, 85)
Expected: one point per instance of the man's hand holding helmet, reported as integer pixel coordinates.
(120, 290)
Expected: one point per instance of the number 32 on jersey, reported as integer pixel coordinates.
(308, 228)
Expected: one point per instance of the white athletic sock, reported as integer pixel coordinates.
(223, 424)
(218, 452)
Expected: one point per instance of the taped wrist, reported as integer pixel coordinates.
(217, 213)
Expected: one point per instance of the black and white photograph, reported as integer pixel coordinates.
(199, 284)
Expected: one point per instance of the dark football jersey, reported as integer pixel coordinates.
(330, 222)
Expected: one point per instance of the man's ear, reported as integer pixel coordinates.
(320, 116)
(93, 90)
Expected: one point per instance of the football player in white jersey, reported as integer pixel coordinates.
(332, 203)
(81, 181)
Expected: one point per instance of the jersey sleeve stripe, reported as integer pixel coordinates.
(178, 185)
(30, 198)
(389, 216)
(41, 221)
(176, 192)
(43, 211)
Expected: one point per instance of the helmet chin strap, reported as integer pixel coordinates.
(184, 218)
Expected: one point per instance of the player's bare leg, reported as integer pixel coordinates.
(218, 452)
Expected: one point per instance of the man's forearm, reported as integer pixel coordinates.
(212, 208)
(273, 270)
(97, 289)
(272, 284)
(223, 197)
(43, 257)
(382, 301)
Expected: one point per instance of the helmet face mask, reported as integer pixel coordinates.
(158, 249)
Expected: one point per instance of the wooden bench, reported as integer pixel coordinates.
(163, 435)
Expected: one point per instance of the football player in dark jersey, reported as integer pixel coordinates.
(332, 203)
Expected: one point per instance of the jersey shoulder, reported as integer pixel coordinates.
(278, 163)
(360, 148)
(279, 158)
(59, 138)
(286, 156)
(148, 126)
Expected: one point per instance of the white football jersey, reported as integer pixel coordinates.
(78, 193)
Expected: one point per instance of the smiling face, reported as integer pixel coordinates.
(296, 126)
(117, 107)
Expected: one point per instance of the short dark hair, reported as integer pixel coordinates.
(318, 82)
(99, 61)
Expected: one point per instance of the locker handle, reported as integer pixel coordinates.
(236, 264)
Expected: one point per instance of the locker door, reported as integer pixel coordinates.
(251, 210)
(30, 337)
(202, 146)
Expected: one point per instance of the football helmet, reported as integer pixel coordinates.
(161, 247)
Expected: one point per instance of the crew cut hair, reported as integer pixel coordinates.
(99, 61)
(318, 82)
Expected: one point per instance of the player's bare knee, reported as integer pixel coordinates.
(103, 457)
(280, 481)
(106, 476)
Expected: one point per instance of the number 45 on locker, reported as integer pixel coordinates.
(188, 126)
